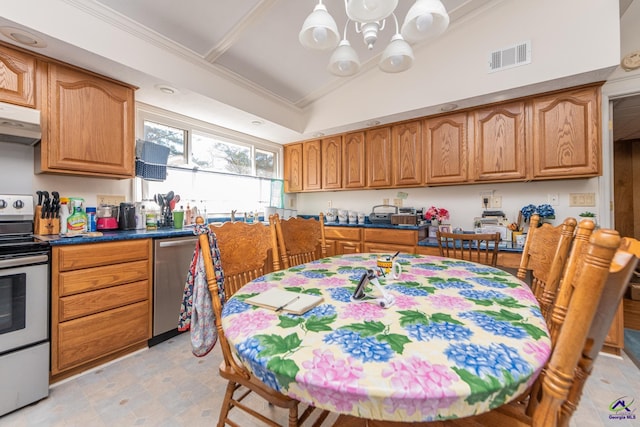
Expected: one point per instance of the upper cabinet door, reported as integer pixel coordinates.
(378, 152)
(90, 125)
(353, 171)
(311, 166)
(445, 140)
(17, 77)
(332, 162)
(292, 168)
(407, 154)
(499, 143)
(566, 134)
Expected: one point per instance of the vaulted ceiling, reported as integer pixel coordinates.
(218, 56)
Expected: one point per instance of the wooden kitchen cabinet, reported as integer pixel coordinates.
(353, 159)
(566, 134)
(343, 240)
(446, 151)
(406, 154)
(378, 155)
(89, 124)
(499, 143)
(293, 168)
(311, 166)
(392, 240)
(332, 163)
(17, 77)
(101, 303)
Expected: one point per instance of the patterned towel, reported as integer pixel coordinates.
(196, 311)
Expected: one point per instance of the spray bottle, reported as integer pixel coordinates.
(77, 221)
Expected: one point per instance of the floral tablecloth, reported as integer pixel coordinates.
(461, 338)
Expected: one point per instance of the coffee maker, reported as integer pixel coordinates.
(127, 216)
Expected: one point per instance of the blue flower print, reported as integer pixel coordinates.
(340, 294)
(234, 306)
(452, 284)
(482, 295)
(497, 327)
(492, 360)
(367, 349)
(314, 274)
(489, 283)
(481, 270)
(407, 290)
(323, 310)
(248, 351)
(442, 330)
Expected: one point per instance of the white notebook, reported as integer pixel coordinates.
(285, 301)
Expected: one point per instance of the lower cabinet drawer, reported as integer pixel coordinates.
(91, 337)
(101, 300)
(88, 279)
(398, 237)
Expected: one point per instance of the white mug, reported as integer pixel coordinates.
(343, 216)
(353, 217)
(361, 218)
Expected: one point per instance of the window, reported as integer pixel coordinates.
(168, 136)
(214, 169)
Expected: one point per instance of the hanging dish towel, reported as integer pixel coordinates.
(196, 311)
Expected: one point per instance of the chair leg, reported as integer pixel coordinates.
(226, 403)
(293, 416)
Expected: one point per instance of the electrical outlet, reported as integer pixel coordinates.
(496, 202)
(485, 202)
(553, 199)
(107, 199)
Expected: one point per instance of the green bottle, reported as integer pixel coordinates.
(77, 221)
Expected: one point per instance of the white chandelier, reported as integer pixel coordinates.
(424, 20)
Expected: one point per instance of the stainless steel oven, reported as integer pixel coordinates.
(24, 306)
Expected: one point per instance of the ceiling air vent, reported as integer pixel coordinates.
(512, 56)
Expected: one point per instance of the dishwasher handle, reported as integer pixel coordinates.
(181, 242)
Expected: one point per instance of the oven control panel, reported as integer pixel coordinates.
(16, 205)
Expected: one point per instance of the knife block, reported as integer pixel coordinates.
(45, 225)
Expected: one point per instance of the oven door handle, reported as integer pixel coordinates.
(17, 262)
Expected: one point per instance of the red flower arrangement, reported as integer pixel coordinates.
(438, 214)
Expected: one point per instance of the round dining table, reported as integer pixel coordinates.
(459, 339)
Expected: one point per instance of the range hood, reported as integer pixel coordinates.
(20, 125)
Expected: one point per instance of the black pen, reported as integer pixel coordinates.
(286, 304)
(396, 254)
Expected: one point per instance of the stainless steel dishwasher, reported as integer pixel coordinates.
(172, 257)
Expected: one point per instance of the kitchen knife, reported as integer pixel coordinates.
(40, 194)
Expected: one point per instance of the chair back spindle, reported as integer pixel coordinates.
(480, 248)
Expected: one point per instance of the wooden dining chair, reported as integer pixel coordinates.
(481, 248)
(300, 240)
(544, 257)
(243, 252)
(621, 270)
(247, 251)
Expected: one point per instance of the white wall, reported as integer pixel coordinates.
(568, 38)
(462, 201)
(17, 177)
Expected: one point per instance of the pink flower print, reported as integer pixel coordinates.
(421, 386)
(295, 281)
(332, 282)
(362, 311)
(254, 287)
(333, 381)
(539, 350)
(450, 302)
(406, 302)
(245, 324)
(522, 294)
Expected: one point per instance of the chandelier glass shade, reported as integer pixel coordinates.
(425, 19)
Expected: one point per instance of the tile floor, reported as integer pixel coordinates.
(166, 385)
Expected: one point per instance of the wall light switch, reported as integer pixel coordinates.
(496, 202)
